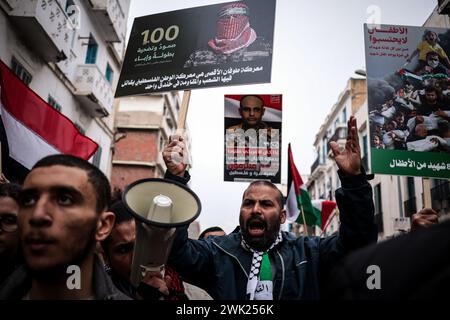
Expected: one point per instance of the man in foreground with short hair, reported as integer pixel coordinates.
(62, 214)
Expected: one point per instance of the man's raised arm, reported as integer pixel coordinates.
(190, 258)
(354, 200)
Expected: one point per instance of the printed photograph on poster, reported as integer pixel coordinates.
(408, 83)
(253, 137)
(209, 46)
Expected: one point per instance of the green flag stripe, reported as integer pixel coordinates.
(312, 215)
(265, 272)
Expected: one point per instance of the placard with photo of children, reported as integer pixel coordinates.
(408, 82)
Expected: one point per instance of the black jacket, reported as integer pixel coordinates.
(411, 266)
(19, 283)
(221, 266)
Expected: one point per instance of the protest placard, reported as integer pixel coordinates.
(408, 81)
(253, 137)
(210, 46)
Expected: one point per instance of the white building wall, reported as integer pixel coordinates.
(326, 183)
(59, 81)
(153, 103)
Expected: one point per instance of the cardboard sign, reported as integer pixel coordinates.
(408, 79)
(253, 137)
(209, 46)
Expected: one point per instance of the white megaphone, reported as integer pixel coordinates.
(159, 206)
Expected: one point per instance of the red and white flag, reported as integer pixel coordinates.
(325, 208)
(33, 128)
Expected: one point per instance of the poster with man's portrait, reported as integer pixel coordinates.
(209, 46)
(253, 137)
(408, 82)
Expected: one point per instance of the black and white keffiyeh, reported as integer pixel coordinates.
(257, 264)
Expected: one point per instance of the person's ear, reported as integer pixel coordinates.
(283, 216)
(105, 223)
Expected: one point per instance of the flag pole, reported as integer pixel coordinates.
(184, 110)
(181, 123)
(305, 227)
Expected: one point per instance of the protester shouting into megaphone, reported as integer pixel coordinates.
(260, 262)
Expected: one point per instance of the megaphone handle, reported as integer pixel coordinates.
(145, 269)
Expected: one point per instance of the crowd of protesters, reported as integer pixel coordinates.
(52, 225)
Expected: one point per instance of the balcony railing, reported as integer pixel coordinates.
(93, 90)
(110, 16)
(339, 136)
(118, 50)
(44, 25)
(317, 169)
(315, 165)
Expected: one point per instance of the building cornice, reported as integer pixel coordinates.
(138, 127)
(135, 163)
(104, 126)
(334, 111)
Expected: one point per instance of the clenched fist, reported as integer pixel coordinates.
(175, 156)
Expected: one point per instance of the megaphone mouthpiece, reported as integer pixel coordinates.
(162, 201)
(161, 209)
(159, 206)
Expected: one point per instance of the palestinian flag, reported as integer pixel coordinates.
(298, 197)
(323, 209)
(413, 78)
(31, 129)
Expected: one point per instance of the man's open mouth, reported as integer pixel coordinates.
(256, 228)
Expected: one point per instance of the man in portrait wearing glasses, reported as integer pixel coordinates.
(9, 239)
